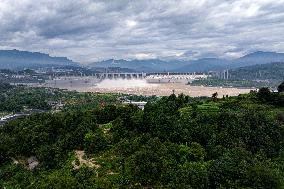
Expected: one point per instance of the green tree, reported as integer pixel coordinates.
(280, 88)
(195, 152)
(214, 96)
(264, 94)
(95, 141)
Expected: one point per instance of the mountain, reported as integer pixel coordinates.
(200, 65)
(151, 65)
(157, 65)
(204, 64)
(15, 59)
(258, 57)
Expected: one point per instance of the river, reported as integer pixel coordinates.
(141, 87)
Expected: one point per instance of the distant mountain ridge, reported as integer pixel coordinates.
(258, 57)
(150, 65)
(204, 64)
(15, 59)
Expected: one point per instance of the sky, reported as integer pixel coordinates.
(92, 30)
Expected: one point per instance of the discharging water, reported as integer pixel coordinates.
(124, 83)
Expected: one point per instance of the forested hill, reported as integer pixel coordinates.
(270, 71)
(264, 75)
(175, 142)
(12, 59)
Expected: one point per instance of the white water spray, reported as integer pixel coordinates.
(124, 83)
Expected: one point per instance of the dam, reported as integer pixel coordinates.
(174, 77)
(159, 77)
(159, 84)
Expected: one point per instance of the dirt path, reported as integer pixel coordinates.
(88, 162)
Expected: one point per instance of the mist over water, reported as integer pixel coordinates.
(124, 83)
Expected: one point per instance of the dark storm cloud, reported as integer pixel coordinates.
(90, 30)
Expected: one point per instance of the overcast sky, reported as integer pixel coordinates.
(91, 30)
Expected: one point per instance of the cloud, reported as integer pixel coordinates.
(142, 56)
(131, 23)
(91, 30)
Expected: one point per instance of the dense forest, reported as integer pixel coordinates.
(271, 71)
(18, 98)
(175, 142)
(239, 83)
(263, 75)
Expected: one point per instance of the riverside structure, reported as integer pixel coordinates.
(160, 77)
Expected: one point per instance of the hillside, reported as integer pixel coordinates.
(271, 71)
(15, 59)
(263, 75)
(175, 142)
